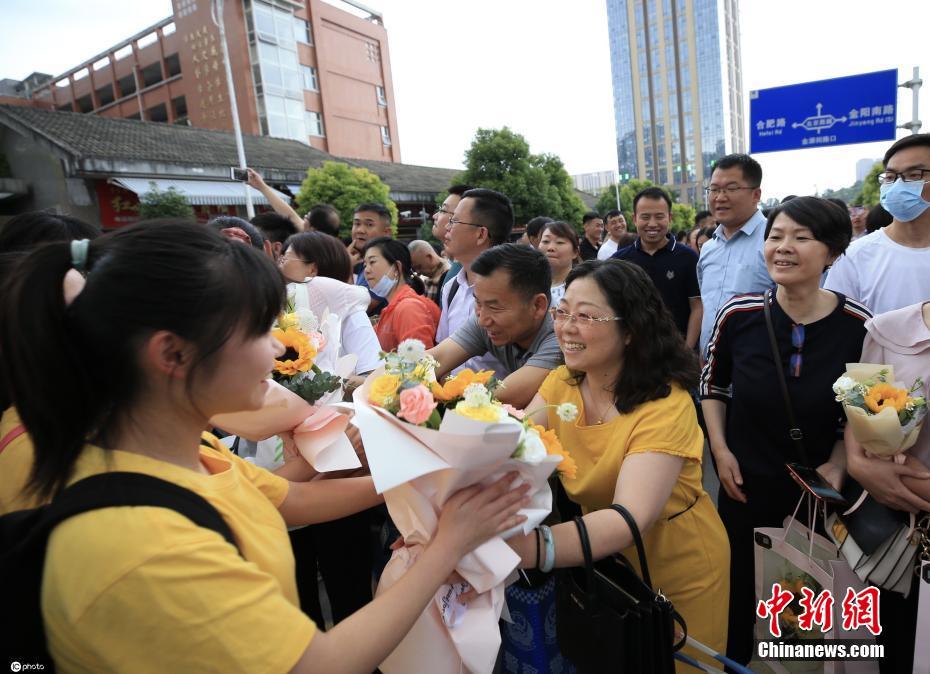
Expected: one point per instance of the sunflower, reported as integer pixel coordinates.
(299, 352)
(882, 396)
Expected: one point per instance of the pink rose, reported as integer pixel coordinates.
(514, 412)
(416, 404)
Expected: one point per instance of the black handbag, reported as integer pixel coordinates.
(611, 620)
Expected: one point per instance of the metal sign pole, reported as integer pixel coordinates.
(234, 108)
(914, 85)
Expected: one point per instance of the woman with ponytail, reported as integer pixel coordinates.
(18, 236)
(117, 352)
(409, 314)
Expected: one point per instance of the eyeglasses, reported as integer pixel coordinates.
(729, 190)
(797, 341)
(453, 222)
(562, 316)
(909, 176)
(444, 211)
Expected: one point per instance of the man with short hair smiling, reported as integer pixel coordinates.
(511, 322)
(731, 263)
(482, 219)
(616, 228)
(890, 268)
(593, 229)
(671, 266)
(369, 222)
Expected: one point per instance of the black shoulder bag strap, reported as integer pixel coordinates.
(454, 288)
(794, 431)
(644, 567)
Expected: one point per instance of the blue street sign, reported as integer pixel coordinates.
(839, 111)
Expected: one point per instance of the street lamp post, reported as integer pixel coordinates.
(217, 12)
(914, 85)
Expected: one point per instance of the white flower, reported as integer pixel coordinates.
(567, 412)
(307, 321)
(843, 386)
(411, 350)
(476, 395)
(534, 451)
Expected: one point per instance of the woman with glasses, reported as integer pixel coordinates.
(636, 442)
(816, 332)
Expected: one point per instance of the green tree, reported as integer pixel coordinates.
(869, 194)
(500, 159)
(682, 215)
(169, 203)
(344, 188)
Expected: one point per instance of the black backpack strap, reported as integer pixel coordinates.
(107, 490)
(24, 564)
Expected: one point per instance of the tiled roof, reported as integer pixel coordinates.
(93, 136)
(410, 178)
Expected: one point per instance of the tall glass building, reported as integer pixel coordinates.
(678, 89)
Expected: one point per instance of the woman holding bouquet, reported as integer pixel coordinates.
(900, 338)
(409, 314)
(636, 442)
(817, 332)
(122, 350)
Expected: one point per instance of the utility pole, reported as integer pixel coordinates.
(914, 85)
(217, 11)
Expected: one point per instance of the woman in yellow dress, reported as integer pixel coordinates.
(636, 442)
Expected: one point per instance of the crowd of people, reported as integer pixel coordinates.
(116, 350)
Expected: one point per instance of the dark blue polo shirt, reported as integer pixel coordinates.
(673, 269)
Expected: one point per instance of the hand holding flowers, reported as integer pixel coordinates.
(884, 417)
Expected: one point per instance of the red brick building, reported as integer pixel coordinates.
(302, 69)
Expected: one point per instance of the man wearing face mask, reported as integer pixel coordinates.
(890, 268)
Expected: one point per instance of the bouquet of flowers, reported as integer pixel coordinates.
(885, 417)
(297, 397)
(424, 441)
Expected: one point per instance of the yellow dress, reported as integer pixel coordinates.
(686, 548)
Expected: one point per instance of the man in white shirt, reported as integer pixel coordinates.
(482, 218)
(890, 268)
(616, 228)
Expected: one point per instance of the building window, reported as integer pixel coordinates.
(385, 136)
(373, 52)
(151, 74)
(159, 113)
(315, 124)
(85, 104)
(285, 117)
(105, 94)
(173, 65)
(302, 31)
(127, 85)
(180, 109)
(382, 100)
(311, 83)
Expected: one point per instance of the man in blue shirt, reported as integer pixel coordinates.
(670, 265)
(731, 263)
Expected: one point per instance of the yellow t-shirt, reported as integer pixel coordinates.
(139, 589)
(15, 466)
(687, 549)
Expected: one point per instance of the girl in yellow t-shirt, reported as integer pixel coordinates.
(116, 353)
(636, 442)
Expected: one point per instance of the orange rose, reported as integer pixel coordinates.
(454, 387)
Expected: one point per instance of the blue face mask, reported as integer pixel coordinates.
(384, 286)
(903, 200)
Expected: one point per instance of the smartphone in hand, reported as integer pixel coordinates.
(240, 174)
(813, 483)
